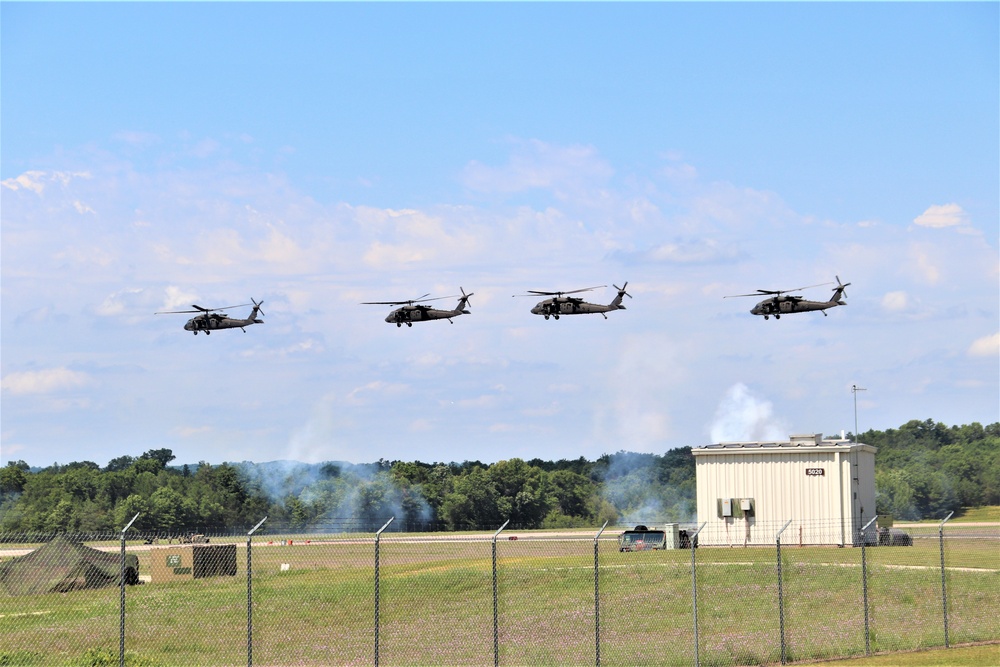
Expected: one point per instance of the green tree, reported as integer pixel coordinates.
(12, 478)
(161, 456)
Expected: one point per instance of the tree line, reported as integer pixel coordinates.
(923, 469)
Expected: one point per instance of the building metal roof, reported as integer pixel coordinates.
(793, 442)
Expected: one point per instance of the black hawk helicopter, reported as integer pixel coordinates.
(213, 318)
(413, 310)
(782, 302)
(560, 304)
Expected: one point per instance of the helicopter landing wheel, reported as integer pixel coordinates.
(409, 324)
(777, 317)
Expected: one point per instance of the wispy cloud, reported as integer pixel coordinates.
(38, 181)
(47, 381)
(534, 164)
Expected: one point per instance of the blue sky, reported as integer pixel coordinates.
(318, 155)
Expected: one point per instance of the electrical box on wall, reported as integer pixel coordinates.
(735, 508)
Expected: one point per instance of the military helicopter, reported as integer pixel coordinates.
(413, 310)
(560, 304)
(782, 302)
(213, 318)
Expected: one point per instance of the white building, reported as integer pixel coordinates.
(747, 491)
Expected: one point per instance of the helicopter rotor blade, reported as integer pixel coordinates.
(212, 310)
(408, 302)
(777, 292)
(533, 292)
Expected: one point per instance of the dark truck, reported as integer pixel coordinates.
(642, 538)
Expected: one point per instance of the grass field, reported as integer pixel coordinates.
(962, 656)
(436, 605)
(988, 514)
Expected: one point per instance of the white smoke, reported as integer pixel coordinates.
(741, 416)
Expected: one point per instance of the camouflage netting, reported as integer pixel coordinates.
(64, 565)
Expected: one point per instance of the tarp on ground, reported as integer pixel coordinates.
(63, 565)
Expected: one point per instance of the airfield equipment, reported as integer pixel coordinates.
(782, 302)
(413, 310)
(560, 304)
(211, 319)
(642, 538)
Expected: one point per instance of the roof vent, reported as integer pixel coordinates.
(801, 440)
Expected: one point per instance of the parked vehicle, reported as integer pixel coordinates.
(642, 538)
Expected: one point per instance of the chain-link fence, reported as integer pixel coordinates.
(502, 596)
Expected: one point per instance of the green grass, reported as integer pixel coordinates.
(990, 513)
(436, 606)
(962, 656)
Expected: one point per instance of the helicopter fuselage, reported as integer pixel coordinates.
(779, 306)
(568, 306)
(409, 314)
(211, 322)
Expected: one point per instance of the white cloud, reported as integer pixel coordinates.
(536, 164)
(987, 346)
(137, 139)
(120, 302)
(360, 395)
(895, 301)
(693, 251)
(925, 265)
(36, 181)
(939, 217)
(175, 298)
(82, 208)
(44, 381)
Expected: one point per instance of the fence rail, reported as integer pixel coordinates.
(497, 597)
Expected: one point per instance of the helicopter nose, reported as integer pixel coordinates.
(388, 318)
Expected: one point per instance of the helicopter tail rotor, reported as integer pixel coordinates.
(464, 301)
(839, 291)
(617, 303)
(256, 309)
(622, 289)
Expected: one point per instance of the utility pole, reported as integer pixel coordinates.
(854, 390)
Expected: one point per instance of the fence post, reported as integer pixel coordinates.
(597, 601)
(250, 593)
(781, 599)
(496, 625)
(864, 582)
(377, 538)
(944, 589)
(121, 581)
(694, 592)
